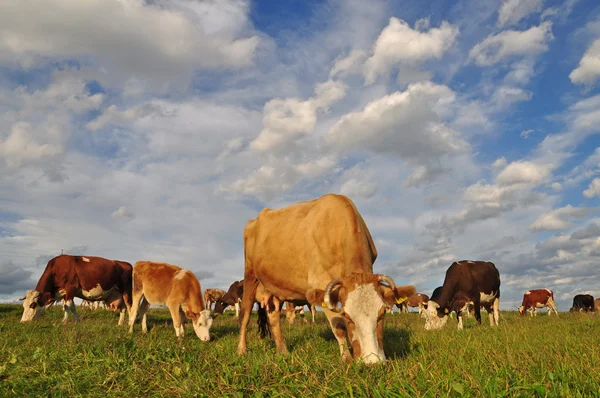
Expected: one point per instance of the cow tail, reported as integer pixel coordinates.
(263, 323)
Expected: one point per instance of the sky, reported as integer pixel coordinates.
(154, 130)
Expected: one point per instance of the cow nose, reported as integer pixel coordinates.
(207, 338)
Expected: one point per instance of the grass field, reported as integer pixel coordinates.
(544, 356)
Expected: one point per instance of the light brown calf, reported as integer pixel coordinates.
(212, 296)
(170, 285)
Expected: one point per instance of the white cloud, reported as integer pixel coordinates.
(588, 70)
(350, 64)
(523, 172)
(399, 44)
(123, 213)
(512, 11)
(512, 43)
(128, 36)
(505, 96)
(21, 147)
(559, 218)
(526, 133)
(593, 189)
(355, 187)
(288, 120)
(406, 124)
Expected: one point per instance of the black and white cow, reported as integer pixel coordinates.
(467, 282)
(583, 302)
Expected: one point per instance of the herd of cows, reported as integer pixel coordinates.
(315, 253)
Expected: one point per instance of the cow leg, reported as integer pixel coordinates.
(138, 295)
(71, 306)
(275, 323)
(338, 326)
(175, 310)
(535, 310)
(496, 309)
(250, 286)
(313, 311)
(144, 306)
(460, 320)
(183, 319)
(477, 310)
(237, 310)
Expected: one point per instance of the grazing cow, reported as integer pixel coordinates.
(319, 251)
(419, 301)
(293, 308)
(177, 288)
(232, 297)
(88, 278)
(583, 302)
(539, 298)
(466, 281)
(212, 296)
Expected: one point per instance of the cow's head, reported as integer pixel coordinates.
(521, 309)
(361, 300)
(220, 306)
(32, 306)
(202, 322)
(435, 316)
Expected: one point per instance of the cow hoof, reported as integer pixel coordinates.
(346, 357)
(241, 351)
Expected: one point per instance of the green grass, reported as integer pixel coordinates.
(545, 356)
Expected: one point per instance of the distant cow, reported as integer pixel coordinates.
(232, 297)
(419, 301)
(212, 296)
(597, 305)
(88, 278)
(291, 309)
(466, 281)
(177, 288)
(583, 302)
(539, 298)
(320, 251)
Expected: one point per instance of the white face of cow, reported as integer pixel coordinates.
(202, 325)
(433, 320)
(363, 309)
(31, 309)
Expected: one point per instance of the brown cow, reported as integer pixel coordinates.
(466, 282)
(88, 278)
(538, 298)
(418, 300)
(212, 296)
(597, 305)
(232, 297)
(177, 288)
(320, 251)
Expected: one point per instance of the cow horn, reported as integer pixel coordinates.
(22, 298)
(328, 290)
(388, 280)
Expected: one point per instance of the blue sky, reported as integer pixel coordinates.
(154, 130)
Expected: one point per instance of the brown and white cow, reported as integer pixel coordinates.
(538, 298)
(293, 308)
(86, 277)
(466, 281)
(418, 300)
(320, 251)
(232, 297)
(177, 288)
(212, 296)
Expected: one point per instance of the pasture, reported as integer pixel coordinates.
(543, 356)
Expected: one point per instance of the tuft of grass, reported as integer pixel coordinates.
(524, 357)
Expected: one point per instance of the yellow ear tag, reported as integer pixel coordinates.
(401, 300)
(323, 305)
(445, 310)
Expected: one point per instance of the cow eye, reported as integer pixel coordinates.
(32, 305)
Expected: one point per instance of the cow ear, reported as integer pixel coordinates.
(22, 298)
(315, 296)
